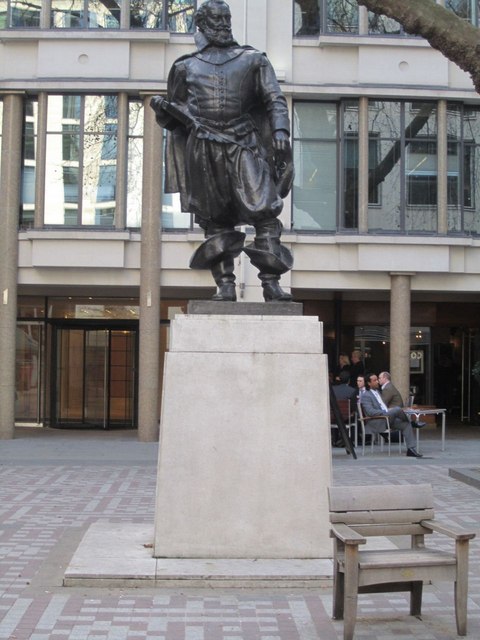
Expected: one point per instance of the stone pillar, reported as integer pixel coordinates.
(40, 161)
(442, 168)
(122, 159)
(10, 179)
(149, 352)
(400, 331)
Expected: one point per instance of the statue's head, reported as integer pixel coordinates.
(214, 20)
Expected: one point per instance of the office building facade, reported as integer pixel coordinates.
(383, 219)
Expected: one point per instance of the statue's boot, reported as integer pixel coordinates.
(224, 277)
(272, 291)
(271, 259)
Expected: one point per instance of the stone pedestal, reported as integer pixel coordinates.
(244, 452)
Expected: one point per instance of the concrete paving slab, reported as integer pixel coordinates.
(468, 476)
(120, 554)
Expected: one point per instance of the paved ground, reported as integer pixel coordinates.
(54, 484)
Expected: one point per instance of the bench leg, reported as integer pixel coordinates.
(461, 587)
(350, 615)
(461, 607)
(351, 591)
(416, 598)
(338, 595)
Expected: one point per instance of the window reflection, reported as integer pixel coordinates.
(463, 131)
(421, 166)
(350, 165)
(146, 14)
(81, 171)
(81, 14)
(174, 15)
(172, 215)
(328, 16)
(315, 158)
(383, 25)
(342, 16)
(20, 13)
(135, 164)
(462, 8)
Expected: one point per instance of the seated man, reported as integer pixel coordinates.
(373, 405)
(342, 390)
(392, 398)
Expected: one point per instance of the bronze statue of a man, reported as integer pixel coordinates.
(228, 151)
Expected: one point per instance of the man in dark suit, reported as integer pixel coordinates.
(373, 406)
(343, 391)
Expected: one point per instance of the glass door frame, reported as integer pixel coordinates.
(109, 325)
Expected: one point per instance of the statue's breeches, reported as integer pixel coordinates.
(230, 183)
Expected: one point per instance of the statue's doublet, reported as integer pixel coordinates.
(221, 84)
(234, 98)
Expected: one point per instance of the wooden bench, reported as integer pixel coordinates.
(392, 510)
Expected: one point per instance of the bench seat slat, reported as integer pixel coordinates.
(369, 516)
(395, 558)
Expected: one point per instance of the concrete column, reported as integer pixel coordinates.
(10, 179)
(125, 16)
(40, 161)
(442, 193)
(363, 21)
(149, 357)
(363, 165)
(400, 331)
(45, 15)
(122, 158)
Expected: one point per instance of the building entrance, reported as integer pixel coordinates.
(94, 377)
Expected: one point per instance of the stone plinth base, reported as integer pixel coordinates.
(211, 307)
(244, 452)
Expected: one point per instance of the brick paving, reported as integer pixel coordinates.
(53, 485)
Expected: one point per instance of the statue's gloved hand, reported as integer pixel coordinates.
(283, 162)
(163, 118)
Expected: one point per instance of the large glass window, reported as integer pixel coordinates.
(463, 129)
(349, 188)
(307, 17)
(421, 163)
(82, 14)
(174, 15)
(20, 13)
(385, 179)
(341, 16)
(81, 172)
(402, 166)
(404, 173)
(383, 25)
(135, 164)
(465, 9)
(172, 215)
(315, 132)
(327, 16)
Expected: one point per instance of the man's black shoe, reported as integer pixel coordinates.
(413, 453)
(418, 425)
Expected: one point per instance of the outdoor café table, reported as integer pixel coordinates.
(419, 411)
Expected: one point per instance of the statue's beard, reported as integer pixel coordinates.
(219, 37)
